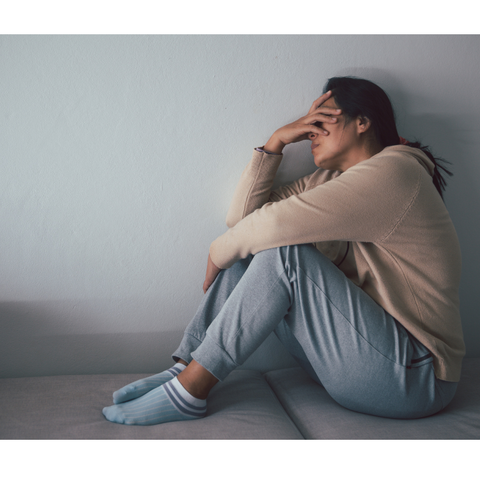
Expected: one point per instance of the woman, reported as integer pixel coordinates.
(355, 267)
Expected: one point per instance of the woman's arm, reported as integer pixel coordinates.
(254, 188)
(363, 205)
(300, 129)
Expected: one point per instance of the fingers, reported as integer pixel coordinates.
(303, 132)
(301, 129)
(211, 275)
(324, 117)
(317, 106)
(318, 119)
(321, 118)
(313, 124)
(313, 129)
(207, 283)
(328, 112)
(319, 101)
(317, 129)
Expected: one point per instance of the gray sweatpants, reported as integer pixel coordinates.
(365, 359)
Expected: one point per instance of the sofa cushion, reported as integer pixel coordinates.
(70, 407)
(318, 416)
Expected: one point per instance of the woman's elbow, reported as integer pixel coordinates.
(231, 220)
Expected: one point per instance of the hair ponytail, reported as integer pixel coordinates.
(438, 176)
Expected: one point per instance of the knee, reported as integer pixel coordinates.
(288, 248)
(292, 251)
(291, 257)
(289, 254)
(242, 264)
(236, 271)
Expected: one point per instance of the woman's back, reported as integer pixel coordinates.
(413, 268)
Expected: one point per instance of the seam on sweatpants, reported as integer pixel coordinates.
(260, 303)
(222, 349)
(437, 390)
(193, 336)
(348, 321)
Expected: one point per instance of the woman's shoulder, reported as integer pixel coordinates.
(398, 167)
(394, 173)
(319, 177)
(403, 157)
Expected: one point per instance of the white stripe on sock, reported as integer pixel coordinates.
(197, 402)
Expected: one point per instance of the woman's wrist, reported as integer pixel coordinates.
(274, 145)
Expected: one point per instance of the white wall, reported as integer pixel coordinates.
(119, 156)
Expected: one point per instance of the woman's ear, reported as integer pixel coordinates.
(363, 124)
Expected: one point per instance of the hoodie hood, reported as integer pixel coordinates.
(421, 158)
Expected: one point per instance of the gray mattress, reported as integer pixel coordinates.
(282, 404)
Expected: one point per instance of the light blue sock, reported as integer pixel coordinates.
(143, 386)
(168, 403)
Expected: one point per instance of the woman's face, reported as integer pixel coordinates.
(340, 148)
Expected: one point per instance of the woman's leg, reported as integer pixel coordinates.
(362, 356)
(161, 398)
(210, 306)
(208, 309)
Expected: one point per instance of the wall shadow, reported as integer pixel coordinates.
(35, 341)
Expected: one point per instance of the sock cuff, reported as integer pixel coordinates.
(176, 369)
(197, 402)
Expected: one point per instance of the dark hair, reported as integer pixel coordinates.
(361, 98)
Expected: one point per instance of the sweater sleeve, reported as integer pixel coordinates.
(254, 186)
(363, 204)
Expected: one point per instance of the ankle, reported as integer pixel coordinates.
(197, 381)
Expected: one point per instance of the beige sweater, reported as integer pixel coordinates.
(404, 251)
